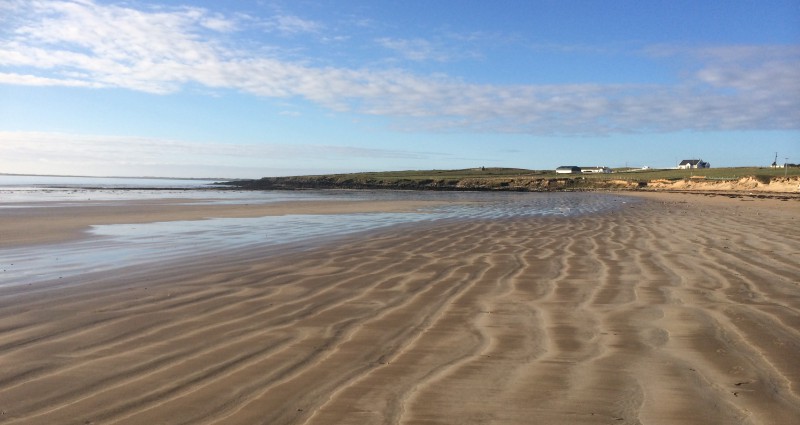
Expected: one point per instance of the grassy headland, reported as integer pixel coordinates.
(516, 179)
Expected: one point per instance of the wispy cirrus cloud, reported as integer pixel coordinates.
(164, 49)
(419, 49)
(33, 80)
(290, 24)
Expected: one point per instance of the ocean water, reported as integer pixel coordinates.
(37, 182)
(16, 190)
(120, 245)
(28, 191)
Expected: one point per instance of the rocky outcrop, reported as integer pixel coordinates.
(333, 182)
(520, 184)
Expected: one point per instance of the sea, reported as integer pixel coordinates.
(118, 246)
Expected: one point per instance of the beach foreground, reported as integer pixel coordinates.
(680, 309)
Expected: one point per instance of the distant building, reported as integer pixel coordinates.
(595, 170)
(693, 163)
(568, 169)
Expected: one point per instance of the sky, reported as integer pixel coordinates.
(247, 89)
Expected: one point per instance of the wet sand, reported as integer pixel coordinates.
(51, 222)
(682, 309)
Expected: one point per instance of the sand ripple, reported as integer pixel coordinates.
(662, 312)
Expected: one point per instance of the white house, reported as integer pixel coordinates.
(595, 170)
(568, 169)
(693, 163)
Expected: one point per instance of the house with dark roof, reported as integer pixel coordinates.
(568, 169)
(687, 164)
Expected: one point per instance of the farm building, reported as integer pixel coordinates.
(693, 163)
(568, 169)
(595, 170)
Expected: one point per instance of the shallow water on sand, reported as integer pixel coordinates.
(121, 245)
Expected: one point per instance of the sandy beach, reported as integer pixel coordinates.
(678, 309)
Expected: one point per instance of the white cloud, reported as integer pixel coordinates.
(290, 24)
(416, 49)
(219, 23)
(32, 80)
(160, 50)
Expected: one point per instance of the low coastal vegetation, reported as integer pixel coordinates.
(516, 179)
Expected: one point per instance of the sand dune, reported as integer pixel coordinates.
(676, 310)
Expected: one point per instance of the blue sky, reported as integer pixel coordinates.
(267, 88)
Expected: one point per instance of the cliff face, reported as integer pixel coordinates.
(745, 184)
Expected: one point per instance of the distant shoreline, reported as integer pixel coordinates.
(117, 177)
(761, 184)
(723, 180)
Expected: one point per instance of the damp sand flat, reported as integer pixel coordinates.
(55, 222)
(677, 309)
(148, 229)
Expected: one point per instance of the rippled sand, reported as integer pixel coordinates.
(677, 310)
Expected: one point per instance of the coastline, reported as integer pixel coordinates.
(519, 181)
(679, 309)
